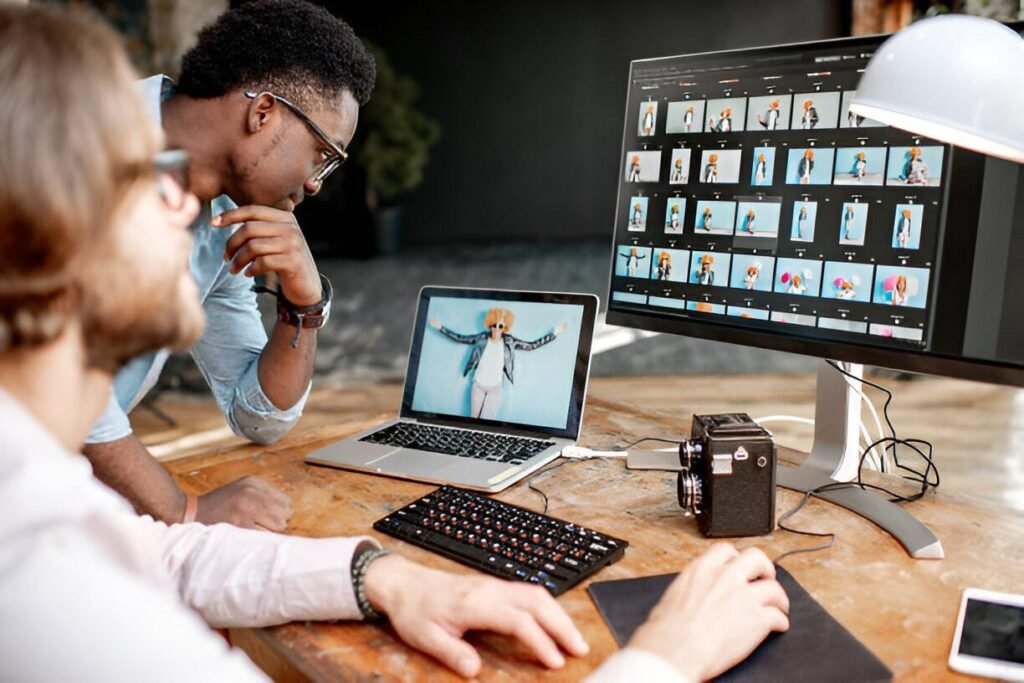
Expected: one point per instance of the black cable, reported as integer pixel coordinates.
(792, 511)
(649, 438)
(532, 477)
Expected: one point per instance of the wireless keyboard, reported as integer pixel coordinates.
(503, 539)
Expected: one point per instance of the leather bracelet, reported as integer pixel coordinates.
(191, 508)
(302, 317)
(360, 564)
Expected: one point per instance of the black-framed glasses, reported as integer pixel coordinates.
(172, 181)
(500, 326)
(338, 153)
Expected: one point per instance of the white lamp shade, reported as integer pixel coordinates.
(955, 78)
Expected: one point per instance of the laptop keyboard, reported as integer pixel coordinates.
(465, 443)
(503, 539)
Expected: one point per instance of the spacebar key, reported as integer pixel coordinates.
(474, 555)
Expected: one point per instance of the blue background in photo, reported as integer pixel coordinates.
(678, 259)
(666, 303)
(915, 300)
(543, 377)
(720, 268)
(740, 263)
(847, 271)
(821, 174)
(769, 160)
(742, 312)
(643, 266)
(642, 201)
(630, 297)
(916, 216)
(797, 266)
(846, 157)
(825, 103)
(766, 217)
(812, 214)
(899, 156)
(723, 214)
(860, 221)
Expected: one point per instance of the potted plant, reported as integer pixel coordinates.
(394, 145)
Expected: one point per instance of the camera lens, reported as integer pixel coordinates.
(689, 492)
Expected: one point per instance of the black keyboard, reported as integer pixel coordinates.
(502, 539)
(514, 450)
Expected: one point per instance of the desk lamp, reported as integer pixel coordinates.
(954, 78)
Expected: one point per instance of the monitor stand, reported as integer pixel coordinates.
(835, 456)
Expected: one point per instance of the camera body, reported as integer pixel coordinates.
(728, 475)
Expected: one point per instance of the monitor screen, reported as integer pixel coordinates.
(515, 359)
(755, 208)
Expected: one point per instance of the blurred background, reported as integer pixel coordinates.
(489, 153)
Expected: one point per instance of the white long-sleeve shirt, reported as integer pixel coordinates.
(91, 591)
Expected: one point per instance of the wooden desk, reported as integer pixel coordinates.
(901, 609)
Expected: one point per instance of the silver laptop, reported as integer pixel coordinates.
(494, 389)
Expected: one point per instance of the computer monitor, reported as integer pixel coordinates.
(754, 208)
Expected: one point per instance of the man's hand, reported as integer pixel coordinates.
(431, 611)
(248, 502)
(271, 242)
(716, 612)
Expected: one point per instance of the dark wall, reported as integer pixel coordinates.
(531, 96)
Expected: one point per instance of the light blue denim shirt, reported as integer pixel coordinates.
(228, 352)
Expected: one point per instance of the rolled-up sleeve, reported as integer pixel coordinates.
(634, 664)
(228, 356)
(112, 425)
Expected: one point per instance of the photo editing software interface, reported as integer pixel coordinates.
(749, 195)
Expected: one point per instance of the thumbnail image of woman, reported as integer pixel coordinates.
(493, 358)
(903, 229)
(707, 223)
(706, 275)
(899, 291)
(849, 221)
(806, 166)
(633, 258)
(760, 169)
(724, 123)
(674, 222)
(915, 171)
(634, 170)
(809, 119)
(770, 120)
(711, 169)
(688, 119)
(748, 222)
(647, 119)
(664, 269)
(802, 225)
(678, 174)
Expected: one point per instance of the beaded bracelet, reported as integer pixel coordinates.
(360, 565)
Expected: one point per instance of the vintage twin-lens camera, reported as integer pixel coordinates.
(728, 475)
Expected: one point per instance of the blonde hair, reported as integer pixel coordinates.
(499, 314)
(76, 138)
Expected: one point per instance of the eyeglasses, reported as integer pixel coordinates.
(339, 155)
(172, 180)
(500, 326)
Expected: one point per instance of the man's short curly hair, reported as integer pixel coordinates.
(290, 47)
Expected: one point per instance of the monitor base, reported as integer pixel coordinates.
(835, 457)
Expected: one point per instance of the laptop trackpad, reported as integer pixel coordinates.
(436, 466)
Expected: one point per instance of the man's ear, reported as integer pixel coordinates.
(262, 109)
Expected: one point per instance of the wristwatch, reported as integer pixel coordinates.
(303, 317)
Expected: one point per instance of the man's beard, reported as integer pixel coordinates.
(127, 313)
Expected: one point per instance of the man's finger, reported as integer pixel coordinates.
(254, 248)
(262, 265)
(251, 231)
(519, 624)
(452, 650)
(251, 212)
(752, 564)
(772, 594)
(552, 618)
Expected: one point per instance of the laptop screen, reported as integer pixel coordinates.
(516, 360)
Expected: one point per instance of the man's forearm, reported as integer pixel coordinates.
(284, 372)
(127, 467)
